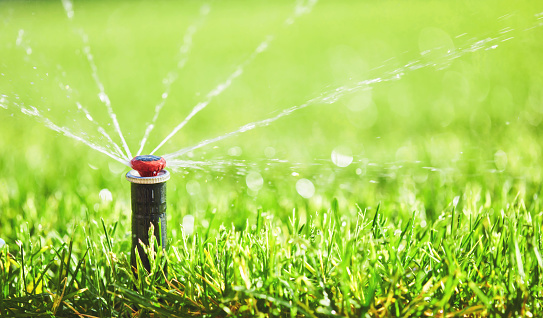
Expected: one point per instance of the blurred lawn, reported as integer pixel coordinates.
(486, 105)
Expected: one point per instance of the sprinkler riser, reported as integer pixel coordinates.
(148, 208)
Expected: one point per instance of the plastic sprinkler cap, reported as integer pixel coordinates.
(148, 165)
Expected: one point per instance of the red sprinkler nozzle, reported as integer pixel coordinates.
(148, 165)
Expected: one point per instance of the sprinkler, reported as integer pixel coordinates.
(148, 165)
(148, 187)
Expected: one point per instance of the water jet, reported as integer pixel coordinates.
(148, 193)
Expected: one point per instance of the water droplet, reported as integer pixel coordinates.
(20, 35)
(193, 187)
(342, 156)
(235, 151)
(305, 188)
(104, 98)
(500, 160)
(32, 111)
(263, 46)
(105, 195)
(254, 181)
(456, 200)
(69, 8)
(188, 224)
(360, 101)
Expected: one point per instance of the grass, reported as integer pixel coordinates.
(439, 214)
(477, 263)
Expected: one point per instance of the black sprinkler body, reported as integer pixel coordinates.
(148, 207)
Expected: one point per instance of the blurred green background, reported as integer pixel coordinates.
(477, 120)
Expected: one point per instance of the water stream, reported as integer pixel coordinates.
(27, 50)
(104, 98)
(331, 96)
(301, 7)
(36, 114)
(434, 57)
(174, 74)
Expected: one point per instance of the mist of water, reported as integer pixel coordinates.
(25, 46)
(301, 7)
(35, 113)
(174, 74)
(429, 59)
(104, 98)
(330, 97)
(101, 130)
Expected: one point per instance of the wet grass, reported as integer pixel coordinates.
(439, 214)
(477, 258)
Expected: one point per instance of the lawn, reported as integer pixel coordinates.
(406, 182)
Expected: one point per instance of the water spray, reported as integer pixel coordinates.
(148, 191)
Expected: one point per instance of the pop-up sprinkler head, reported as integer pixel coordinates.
(148, 203)
(148, 165)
